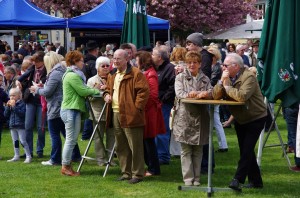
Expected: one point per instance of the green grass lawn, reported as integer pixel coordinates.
(35, 180)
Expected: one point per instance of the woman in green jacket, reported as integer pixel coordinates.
(73, 106)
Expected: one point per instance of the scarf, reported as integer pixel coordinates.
(79, 72)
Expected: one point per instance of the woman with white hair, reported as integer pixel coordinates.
(99, 81)
(53, 93)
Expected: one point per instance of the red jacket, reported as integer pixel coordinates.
(153, 113)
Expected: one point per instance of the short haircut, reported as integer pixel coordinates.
(102, 60)
(15, 90)
(72, 57)
(125, 46)
(10, 69)
(38, 56)
(162, 52)
(193, 56)
(237, 59)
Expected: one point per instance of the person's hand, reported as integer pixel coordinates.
(103, 87)
(107, 98)
(18, 84)
(202, 94)
(225, 78)
(11, 103)
(33, 89)
(226, 124)
(192, 94)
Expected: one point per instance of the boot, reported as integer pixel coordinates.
(67, 170)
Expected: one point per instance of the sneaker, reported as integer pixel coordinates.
(47, 163)
(40, 155)
(188, 183)
(28, 160)
(295, 168)
(196, 183)
(14, 159)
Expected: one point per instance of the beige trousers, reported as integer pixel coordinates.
(191, 157)
(129, 149)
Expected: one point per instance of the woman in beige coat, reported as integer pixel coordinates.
(99, 81)
(191, 121)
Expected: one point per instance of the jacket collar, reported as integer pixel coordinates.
(128, 70)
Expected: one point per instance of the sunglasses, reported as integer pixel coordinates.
(103, 66)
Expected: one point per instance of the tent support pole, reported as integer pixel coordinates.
(154, 39)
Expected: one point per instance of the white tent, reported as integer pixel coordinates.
(248, 30)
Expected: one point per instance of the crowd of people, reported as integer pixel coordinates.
(141, 88)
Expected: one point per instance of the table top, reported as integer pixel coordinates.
(213, 102)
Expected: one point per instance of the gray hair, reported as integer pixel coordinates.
(237, 59)
(163, 52)
(102, 60)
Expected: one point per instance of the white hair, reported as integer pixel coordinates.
(102, 60)
(236, 59)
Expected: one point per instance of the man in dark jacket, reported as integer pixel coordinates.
(166, 80)
(90, 59)
(89, 70)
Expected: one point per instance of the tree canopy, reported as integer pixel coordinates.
(184, 15)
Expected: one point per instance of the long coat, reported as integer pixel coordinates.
(191, 121)
(153, 114)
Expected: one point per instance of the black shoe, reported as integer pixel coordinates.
(135, 181)
(40, 155)
(252, 185)
(222, 150)
(123, 178)
(235, 185)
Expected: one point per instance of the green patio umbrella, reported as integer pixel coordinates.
(135, 27)
(279, 52)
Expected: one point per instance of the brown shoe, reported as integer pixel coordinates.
(67, 170)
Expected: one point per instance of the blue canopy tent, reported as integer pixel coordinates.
(20, 14)
(110, 15)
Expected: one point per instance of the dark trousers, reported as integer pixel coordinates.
(248, 135)
(151, 156)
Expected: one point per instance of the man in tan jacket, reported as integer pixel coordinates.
(240, 84)
(127, 93)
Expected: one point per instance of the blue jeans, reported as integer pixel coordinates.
(291, 116)
(72, 120)
(163, 140)
(57, 127)
(34, 114)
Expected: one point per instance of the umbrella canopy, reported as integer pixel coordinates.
(279, 52)
(239, 32)
(135, 27)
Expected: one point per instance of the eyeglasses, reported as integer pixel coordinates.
(227, 65)
(103, 66)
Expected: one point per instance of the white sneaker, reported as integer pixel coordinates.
(14, 159)
(28, 160)
(47, 163)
